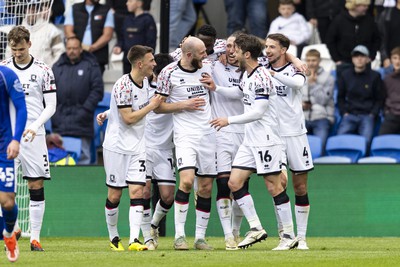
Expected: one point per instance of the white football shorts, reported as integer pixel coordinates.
(160, 166)
(263, 159)
(122, 169)
(227, 147)
(297, 153)
(34, 159)
(197, 152)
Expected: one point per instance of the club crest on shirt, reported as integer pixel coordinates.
(33, 78)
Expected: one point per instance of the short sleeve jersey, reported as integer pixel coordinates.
(178, 85)
(121, 137)
(222, 106)
(291, 116)
(158, 127)
(37, 79)
(258, 85)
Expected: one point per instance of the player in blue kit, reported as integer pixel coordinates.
(10, 136)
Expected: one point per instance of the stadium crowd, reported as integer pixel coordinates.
(252, 87)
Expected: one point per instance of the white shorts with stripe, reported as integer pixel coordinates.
(297, 153)
(264, 159)
(227, 147)
(34, 159)
(160, 166)
(122, 169)
(197, 152)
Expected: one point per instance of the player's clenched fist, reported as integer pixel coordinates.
(156, 100)
(101, 117)
(13, 149)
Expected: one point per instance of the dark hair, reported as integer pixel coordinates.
(207, 30)
(282, 39)
(73, 37)
(286, 2)
(249, 43)
(162, 60)
(137, 52)
(18, 34)
(146, 5)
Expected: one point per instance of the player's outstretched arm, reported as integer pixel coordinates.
(130, 116)
(296, 82)
(195, 103)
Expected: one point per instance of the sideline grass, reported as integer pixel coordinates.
(94, 252)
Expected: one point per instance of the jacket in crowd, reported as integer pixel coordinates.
(80, 89)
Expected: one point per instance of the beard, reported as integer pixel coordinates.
(275, 60)
(196, 63)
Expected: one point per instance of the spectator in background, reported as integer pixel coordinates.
(350, 28)
(182, 17)
(80, 87)
(48, 43)
(139, 28)
(321, 14)
(388, 24)
(57, 10)
(255, 11)
(318, 104)
(391, 124)
(93, 24)
(292, 25)
(360, 96)
(120, 12)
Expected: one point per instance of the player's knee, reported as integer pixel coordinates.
(205, 188)
(146, 193)
(112, 204)
(8, 203)
(241, 192)
(300, 189)
(36, 194)
(168, 199)
(186, 185)
(234, 185)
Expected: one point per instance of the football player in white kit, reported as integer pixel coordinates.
(288, 82)
(159, 163)
(38, 83)
(124, 145)
(193, 137)
(262, 146)
(228, 141)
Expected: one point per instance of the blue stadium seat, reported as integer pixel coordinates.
(315, 145)
(73, 146)
(99, 131)
(347, 145)
(332, 160)
(386, 146)
(376, 159)
(48, 127)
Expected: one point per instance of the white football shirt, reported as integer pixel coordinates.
(291, 116)
(263, 132)
(121, 137)
(178, 85)
(159, 127)
(222, 106)
(37, 79)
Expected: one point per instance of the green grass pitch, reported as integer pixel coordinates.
(94, 252)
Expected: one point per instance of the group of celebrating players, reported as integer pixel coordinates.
(225, 119)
